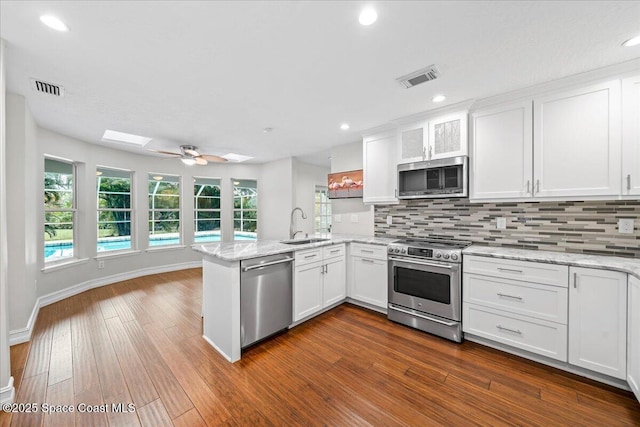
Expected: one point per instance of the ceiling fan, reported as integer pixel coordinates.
(189, 156)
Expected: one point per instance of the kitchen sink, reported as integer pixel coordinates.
(303, 241)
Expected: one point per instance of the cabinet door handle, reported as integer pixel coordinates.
(424, 152)
(430, 152)
(326, 268)
(515, 331)
(528, 191)
(511, 270)
(509, 296)
(537, 186)
(629, 182)
(575, 280)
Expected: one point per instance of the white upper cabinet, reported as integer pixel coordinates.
(436, 138)
(631, 136)
(380, 173)
(501, 152)
(576, 142)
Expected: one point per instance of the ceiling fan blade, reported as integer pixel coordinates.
(165, 152)
(213, 158)
(191, 152)
(200, 161)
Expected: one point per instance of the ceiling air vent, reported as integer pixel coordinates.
(47, 88)
(420, 76)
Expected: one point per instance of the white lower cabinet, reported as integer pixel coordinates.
(633, 336)
(369, 274)
(598, 320)
(319, 280)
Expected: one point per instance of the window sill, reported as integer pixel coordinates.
(63, 264)
(107, 255)
(165, 248)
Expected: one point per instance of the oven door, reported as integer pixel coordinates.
(427, 286)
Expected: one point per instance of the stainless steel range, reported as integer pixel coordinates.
(425, 285)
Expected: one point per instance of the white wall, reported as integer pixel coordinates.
(6, 381)
(306, 178)
(348, 157)
(275, 199)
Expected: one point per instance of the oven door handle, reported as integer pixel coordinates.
(421, 316)
(428, 264)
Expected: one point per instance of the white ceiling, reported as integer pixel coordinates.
(214, 74)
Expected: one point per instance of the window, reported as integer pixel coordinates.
(322, 210)
(164, 210)
(206, 193)
(245, 209)
(59, 209)
(114, 209)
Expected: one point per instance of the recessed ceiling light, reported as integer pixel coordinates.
(438, 98)
(98, 173)
(158, 177)
(632, 42)
(344, 126)
(188, 161)
(53, 22)
(267, 130)
(236, 157)
(127, 138)
(368, 16)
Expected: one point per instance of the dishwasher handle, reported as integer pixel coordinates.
(267, 264)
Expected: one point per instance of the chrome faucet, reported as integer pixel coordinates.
(292, 234)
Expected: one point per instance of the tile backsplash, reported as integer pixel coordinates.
(589, 227)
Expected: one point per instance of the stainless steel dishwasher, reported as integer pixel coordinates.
(266, 286)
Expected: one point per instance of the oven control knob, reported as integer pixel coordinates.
(445, 256)
(390, 250)
(454, 257)
(404, 251)
(397, 250)
(438, 254)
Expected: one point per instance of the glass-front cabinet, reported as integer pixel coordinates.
(436, 138)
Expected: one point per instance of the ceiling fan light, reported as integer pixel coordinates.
(188, 161)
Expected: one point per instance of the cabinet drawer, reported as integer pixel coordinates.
(333, 251)
(538, 272)
(537, 336)
(529, 299)
(308, 256)
(369, 251)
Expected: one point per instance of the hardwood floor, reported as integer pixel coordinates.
(139, 342)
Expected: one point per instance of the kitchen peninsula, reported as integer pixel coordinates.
(221, 295)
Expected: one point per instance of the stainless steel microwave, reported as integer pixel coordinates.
(433, 178)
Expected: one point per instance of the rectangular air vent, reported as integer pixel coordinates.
(47, 88)
(420, 76)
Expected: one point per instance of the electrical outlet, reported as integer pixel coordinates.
(337, 218)
(389, 220)
(354, 218)
(100, 264)
(625, 226)
(501, 223)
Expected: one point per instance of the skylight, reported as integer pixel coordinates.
(127, 138)
(232, 157)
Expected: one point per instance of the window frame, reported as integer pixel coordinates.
(241, 209)
(196, 209)
(73, 210)
(318, 218)
(131, 210)
(151, 210)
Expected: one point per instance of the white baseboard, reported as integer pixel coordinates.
(18, 336)
(8, 393)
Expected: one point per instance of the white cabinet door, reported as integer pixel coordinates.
(576, 142)
(334, 281)
(370, 281)
(598, 320)
(413, 142)
(380, 173)
(502, 152)
(307, 290)
(448, 136)
(631, 136)
(633, 337)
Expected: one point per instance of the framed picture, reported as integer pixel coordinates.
(345, 185)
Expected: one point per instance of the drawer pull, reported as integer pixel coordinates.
(335, 251)
(509, 296)
(310, 256)
(370, 261)
(511, 270)
(366, 251)
(515, 331)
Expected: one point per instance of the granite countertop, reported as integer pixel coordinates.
(237, 251)
(625, 265)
